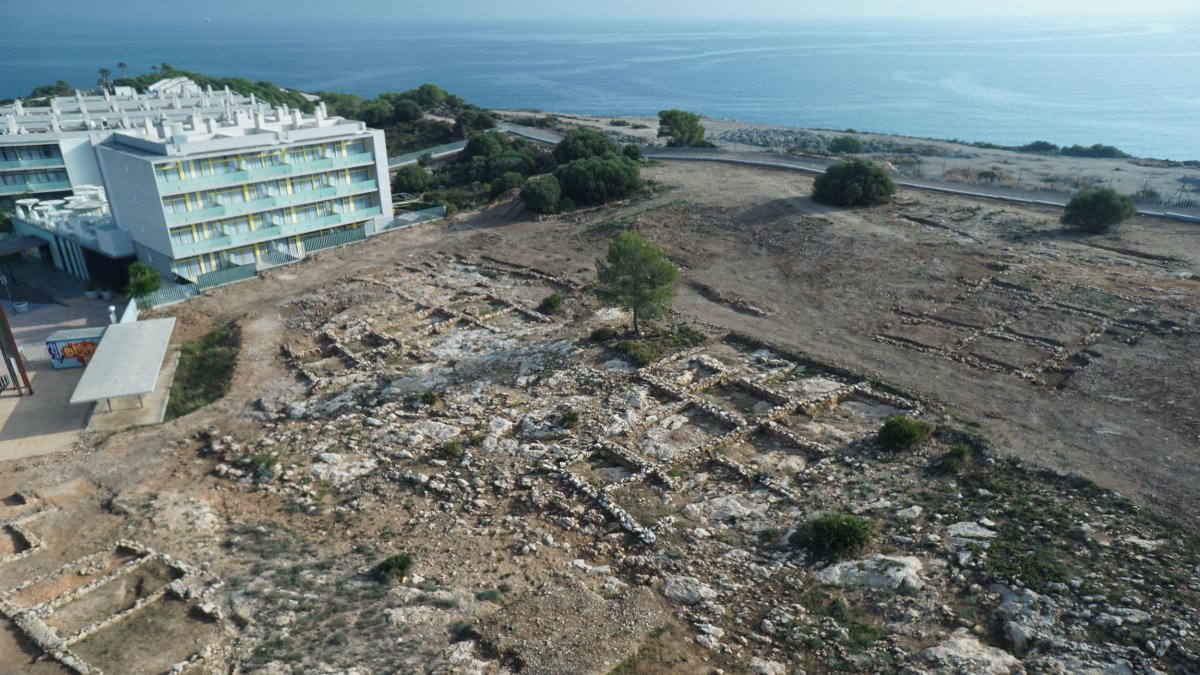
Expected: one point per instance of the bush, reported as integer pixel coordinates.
(834, 535)
(633, 152)
(903, 433)
(582, 143)
(412, 178)
(1098, 211)
(848, 145)
(854, 183)
(952, 461)
(542, 194)
(510, 180)
(430, 397)
(650, 348)
(597, 180)
(452, 449)
(551, 304)
(570, 419)
(393, 568)
(1040, 148)
(1097, 150)
(143, 280)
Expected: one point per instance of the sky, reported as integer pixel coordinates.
(242, 11)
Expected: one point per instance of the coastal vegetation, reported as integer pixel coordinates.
(1098, 211)
(854, 183)
(682, 129)
(848, 145)
(414, 119)
(591, 169)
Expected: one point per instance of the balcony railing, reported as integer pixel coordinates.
(30, 163)
(268, 203)
(54, 186)
(239, 239)
(263, 173)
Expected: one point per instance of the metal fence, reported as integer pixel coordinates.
(321, 242)
(409, 218)
(34, 352)
(226, 276)
(168, 295)
(437, 151)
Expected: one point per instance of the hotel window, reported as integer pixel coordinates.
(182, 237)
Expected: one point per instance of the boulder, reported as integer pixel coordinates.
(878, 571)
(964, 654)
(687, 590)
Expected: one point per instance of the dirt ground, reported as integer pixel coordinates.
(1075, 353)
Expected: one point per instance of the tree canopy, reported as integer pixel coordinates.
(582, 143)
(636, 275)
(597, 180)
(853, 183)
(542, 194)
(412, 178)
(682, 129)
(1098, 211)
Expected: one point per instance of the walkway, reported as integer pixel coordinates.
(45, 422)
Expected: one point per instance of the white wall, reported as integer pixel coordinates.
(134, 199)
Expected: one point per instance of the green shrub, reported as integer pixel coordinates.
(510, 180)
(619, 123)
(848, 145)
(143, 280)
(1098, 211)
(653, 346)
(834, 535)
(476, 440)
(854, 183)
(542, 194)
(600, 179)
(633, 152)
(394, 568)
(452, 449)
(570, 419)
(550, 304)
(1097, 150)
(490, 595)
(952, 461)
(430, 397)
(900, 432)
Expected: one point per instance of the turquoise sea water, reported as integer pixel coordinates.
(1134, 84)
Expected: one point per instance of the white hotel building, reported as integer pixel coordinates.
(199, 180)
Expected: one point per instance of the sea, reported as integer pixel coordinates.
(1131, 83)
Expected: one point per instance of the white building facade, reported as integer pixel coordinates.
(202, 181)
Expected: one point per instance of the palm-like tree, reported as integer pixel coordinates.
(122, 65)
(105, 78)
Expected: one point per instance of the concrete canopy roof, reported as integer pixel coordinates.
(126, 362)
